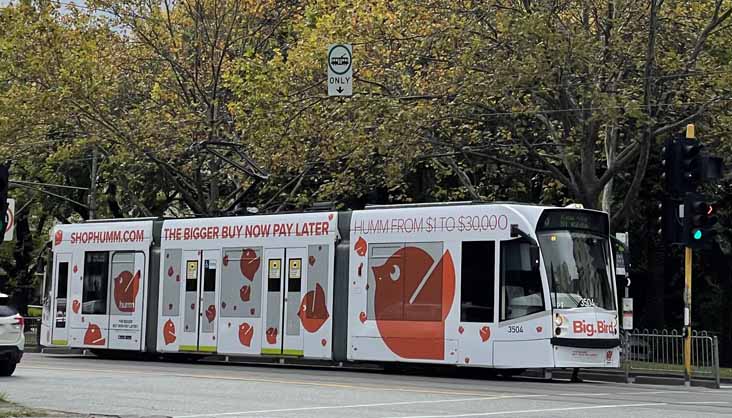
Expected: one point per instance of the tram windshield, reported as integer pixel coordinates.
(578, 269)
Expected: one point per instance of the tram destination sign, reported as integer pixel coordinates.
(553, 219)
(340, 70)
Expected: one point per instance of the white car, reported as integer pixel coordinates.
(12, 339)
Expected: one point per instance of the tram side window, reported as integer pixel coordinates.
(61, 293)
(405, 281)
(47, 288)
(63, 280)
(209, 278)
(96, 277)
(521, 289)
(123, 290)
(477, 281)
(171, 282)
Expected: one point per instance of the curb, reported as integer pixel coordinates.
(635, 377)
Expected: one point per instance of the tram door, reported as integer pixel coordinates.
(199, 301)
(286, 274)
(58, 301)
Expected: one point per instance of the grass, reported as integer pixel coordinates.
(34, 311)
(10, 410)
(22, 412)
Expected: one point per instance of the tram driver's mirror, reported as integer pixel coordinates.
(534, 254)
(529, 257)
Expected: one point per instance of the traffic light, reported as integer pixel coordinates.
(710, 168)
(698, 221)
(691, 164)
(671, 165)
(685, 169)
(683, 165)
(670, 224)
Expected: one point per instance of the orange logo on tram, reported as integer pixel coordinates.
(93, 335)
(313, 311)
(126, 287)
(412, 298)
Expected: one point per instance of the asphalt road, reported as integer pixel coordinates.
(182, 390)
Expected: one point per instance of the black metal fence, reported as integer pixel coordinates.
(32, 333)
(663, 352)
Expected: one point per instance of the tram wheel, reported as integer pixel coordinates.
(117, 354)
(104, 354)
(509, 373)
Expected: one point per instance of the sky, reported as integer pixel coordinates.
(6, 2)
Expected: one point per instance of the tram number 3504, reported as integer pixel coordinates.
(515, 329)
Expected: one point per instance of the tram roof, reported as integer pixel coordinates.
(368, 207)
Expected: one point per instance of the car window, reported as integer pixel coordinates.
(7, 310)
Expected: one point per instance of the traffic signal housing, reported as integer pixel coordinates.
(670, 225)
(691, 164)
(671, 165)
(683, 165)
(699, 221)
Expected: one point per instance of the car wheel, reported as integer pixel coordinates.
(7, 367)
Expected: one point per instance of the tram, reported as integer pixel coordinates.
(494, 285)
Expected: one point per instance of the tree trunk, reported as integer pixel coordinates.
(23, 278)
(611, 144)
(112, 203)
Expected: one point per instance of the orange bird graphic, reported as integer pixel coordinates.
(413, 295)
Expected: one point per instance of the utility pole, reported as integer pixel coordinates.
(93, 187)
(687, 290)
(687, 316)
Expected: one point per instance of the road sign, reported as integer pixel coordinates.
(340, 70)
(10, 217)
(622, 237)
(628, 313)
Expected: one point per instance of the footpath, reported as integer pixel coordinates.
(12, 410)
(637, 377)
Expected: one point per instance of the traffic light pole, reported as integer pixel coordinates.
(690, 135)
(685, 170)
(687, 316)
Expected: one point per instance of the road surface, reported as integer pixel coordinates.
(192, 390)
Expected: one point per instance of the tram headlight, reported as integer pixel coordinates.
(560, 322)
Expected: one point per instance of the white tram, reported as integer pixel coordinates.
(486, 285)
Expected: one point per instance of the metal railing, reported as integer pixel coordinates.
(32, 331)
(663, 352)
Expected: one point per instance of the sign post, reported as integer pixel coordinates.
(628, 314)
(10, 220)
(340, 70)
(622, 268)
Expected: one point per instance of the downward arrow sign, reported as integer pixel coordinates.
(340, 90)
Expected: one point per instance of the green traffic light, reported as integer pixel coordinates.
(697, 234)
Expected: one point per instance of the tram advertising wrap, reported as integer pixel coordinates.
(507, 286)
